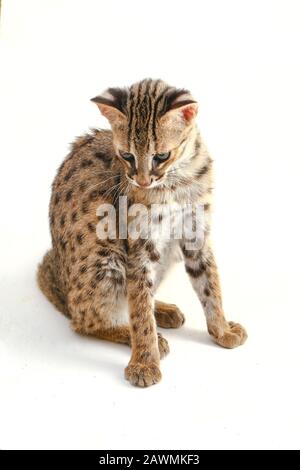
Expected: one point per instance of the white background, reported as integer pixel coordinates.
(241, 60)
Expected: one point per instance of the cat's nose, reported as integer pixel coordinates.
(143, 181)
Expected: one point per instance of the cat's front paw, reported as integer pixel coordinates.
(142, 375)
(232, 335)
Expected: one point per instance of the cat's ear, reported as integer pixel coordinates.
(112, 104)
(179, 106)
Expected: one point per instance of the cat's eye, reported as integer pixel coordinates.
(128, 157)
(161, 157)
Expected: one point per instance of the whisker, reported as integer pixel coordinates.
(101, 182)
(110, 190)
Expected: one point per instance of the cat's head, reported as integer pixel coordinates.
(151, 123)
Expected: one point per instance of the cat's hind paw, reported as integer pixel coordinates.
(163, 346)
(168, 315)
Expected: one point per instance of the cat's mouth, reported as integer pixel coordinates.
(153, 184)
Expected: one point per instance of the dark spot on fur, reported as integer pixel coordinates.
(146, 331)
(138, 244)
(145, 355)
(206, 207)
(82, 186)
(74, 216)
(85, 206)
(102, 191)
(144, 271)
(149, 283)
(91, 227)
(160, 217)
(69, 195)
(86, 163)
(63, 244)
(122, 257)
(188, 253)
(69, 174)
(94, 195)
(117, 277)
(202, 171)
(56, 198)
(106, 159)
(100, 276)
(195, 272)
(103, 252)
(78, 299)
(196, 149)
(153, 253)
(154, 256)
(93, 284)
(100, 155)
(83, 269)
(207, 292)
(135, 328)
(62, 220)
(79, 238)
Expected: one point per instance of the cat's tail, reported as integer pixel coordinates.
(48, 283)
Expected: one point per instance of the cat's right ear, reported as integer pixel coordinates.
(112, 104)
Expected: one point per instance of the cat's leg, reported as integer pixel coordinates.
(49, 282)
(97, 297)
(168, 315)
(202, 270)
(117, 334)
(143, 369)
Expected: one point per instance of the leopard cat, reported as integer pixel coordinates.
(153, 154)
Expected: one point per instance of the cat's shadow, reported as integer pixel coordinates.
(51, 336)
(187, 334)
(112, 358)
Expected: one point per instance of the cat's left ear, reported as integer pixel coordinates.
(112, 104)
(180, 106)
(187, 111)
